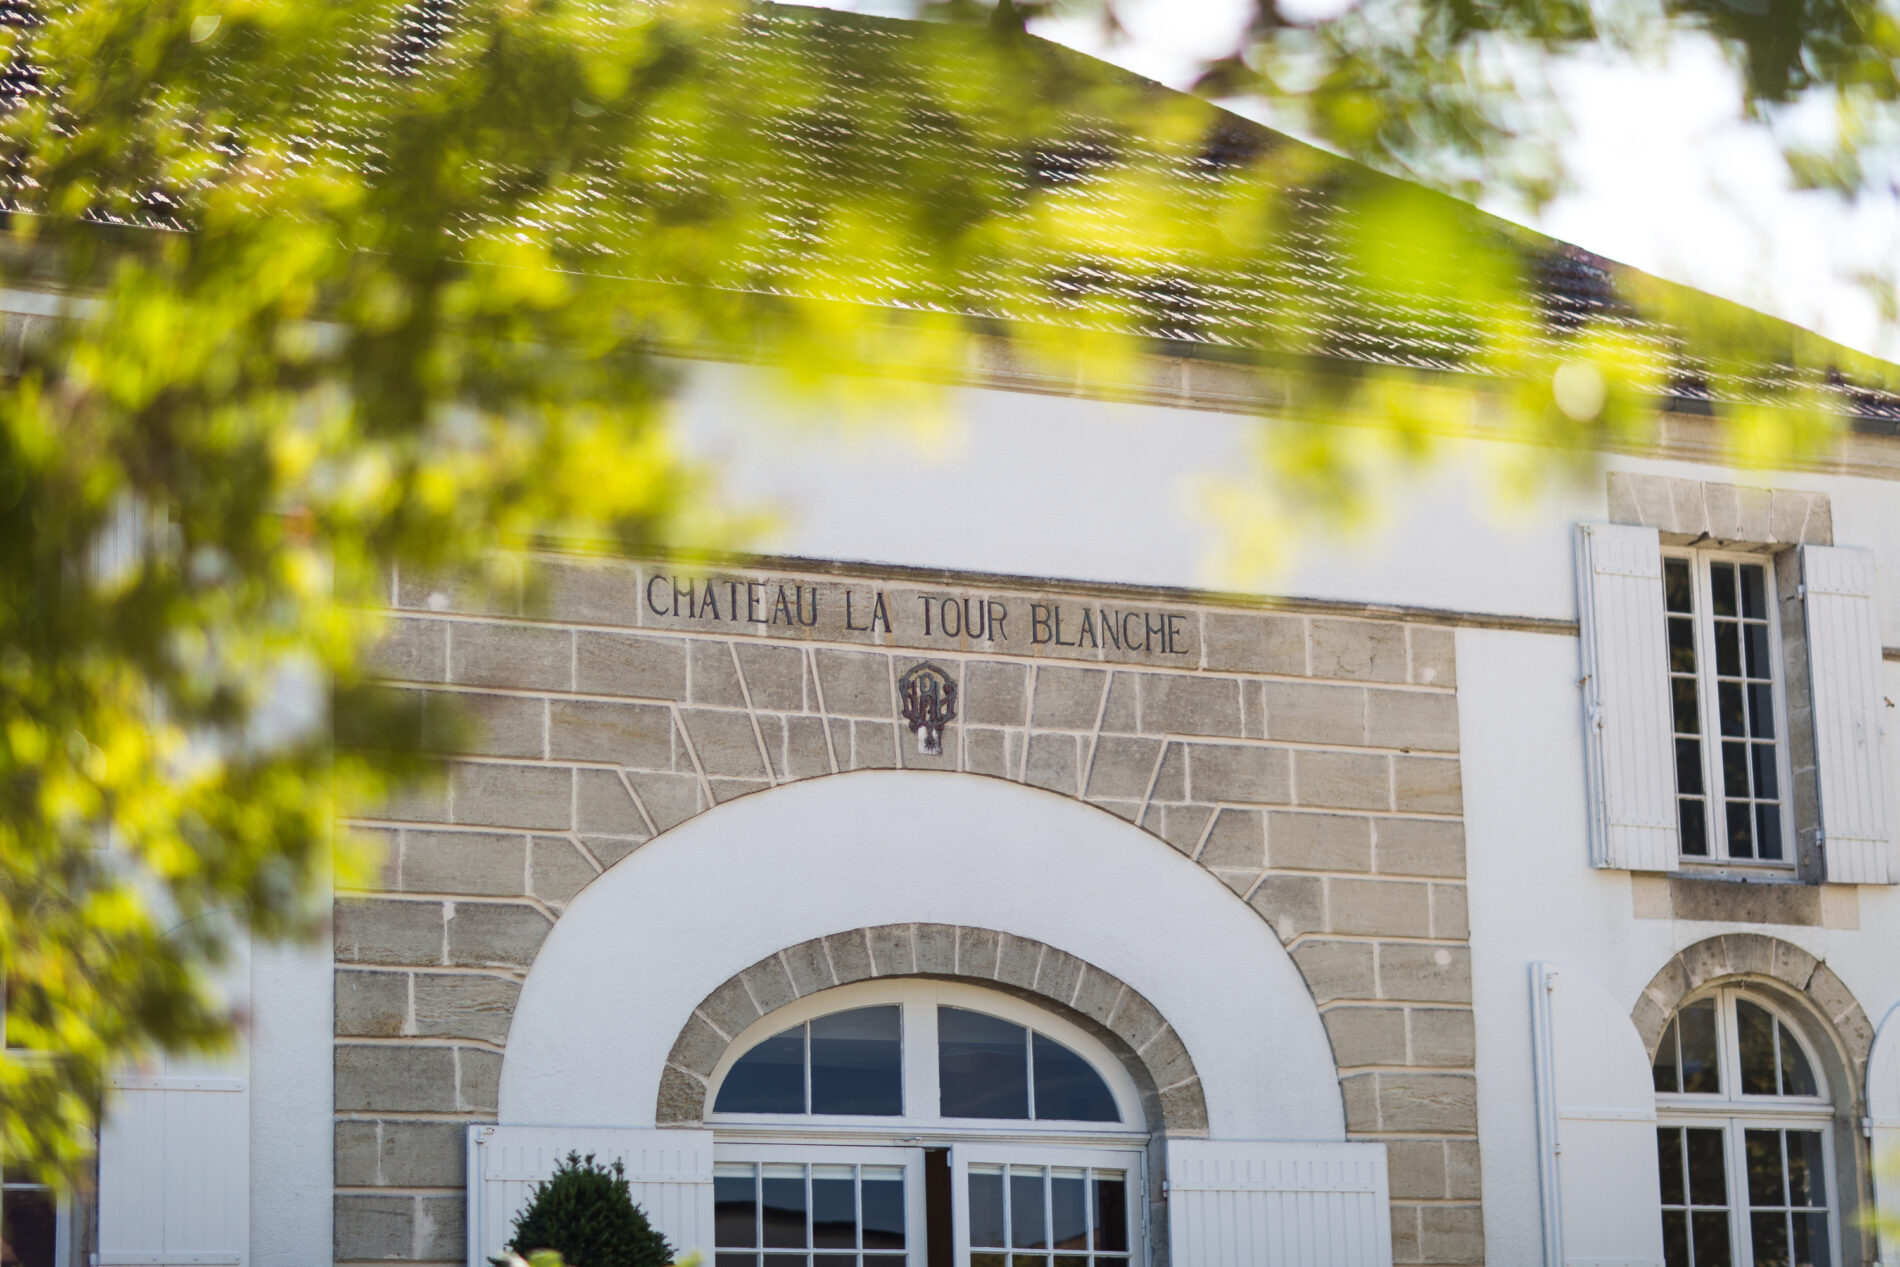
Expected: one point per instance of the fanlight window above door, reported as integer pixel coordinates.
(955, 1061)
(1762, 1058)
(847, 1062)
(993, 1068)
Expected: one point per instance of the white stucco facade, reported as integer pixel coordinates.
(1079, 489)
(291, 1116)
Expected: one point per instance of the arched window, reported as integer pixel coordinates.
(851, 1063)
(862, 1125)
(846, 1062)
(1743, 1138)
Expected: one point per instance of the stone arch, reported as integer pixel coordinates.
(1807, 982)
(889, 849)
(1395, 1007)
(1101, 1003)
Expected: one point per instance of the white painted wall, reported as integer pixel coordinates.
(1534, 897)
(292, 1133)
(1086, 490)
(624, 968)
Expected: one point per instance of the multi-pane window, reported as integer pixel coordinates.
(1786, 1216)
(1731, 799)
(1743, 1140)
(808, 1215)
(1787, 1196)
(1695, 1205)
(1048, 1216)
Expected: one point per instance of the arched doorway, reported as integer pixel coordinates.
(1042, 914)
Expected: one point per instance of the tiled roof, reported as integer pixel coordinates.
(1295, 299)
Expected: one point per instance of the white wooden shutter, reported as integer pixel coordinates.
(1883, 1115)
(174, 1168)
(175, 1149)
(1628, 744)
(1278, 1204)
(1596, 1126)
(669, 1171)
(1850, 752)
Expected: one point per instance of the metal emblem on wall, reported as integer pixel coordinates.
(930, 703)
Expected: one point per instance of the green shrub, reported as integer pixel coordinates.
(586, 1213)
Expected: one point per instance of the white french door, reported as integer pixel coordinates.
(1026, 1205)
(817, 1205)
(1751, 1191)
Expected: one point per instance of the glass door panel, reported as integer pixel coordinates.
(1695, 1210)
(789, 1206)
(1787, 1198)
(1045, 1207)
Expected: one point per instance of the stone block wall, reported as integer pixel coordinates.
(1307, 759)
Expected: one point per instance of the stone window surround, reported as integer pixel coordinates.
(1078, 991)
(1698, 512)
(1835, 1018)
(1712, 899)
(1830, 1018)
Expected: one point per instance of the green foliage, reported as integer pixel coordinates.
(339, 295)
(586, 1214)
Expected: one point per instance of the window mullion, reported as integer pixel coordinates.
(923, 1097)
(1029, 1069)
(1715, 812)
(1727, 1046)
(1049, 1205)
(1734, 1144)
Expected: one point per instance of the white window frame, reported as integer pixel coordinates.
(911, 1158)
(1715, 811)
(1131, 1162)
(1734, 1112)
